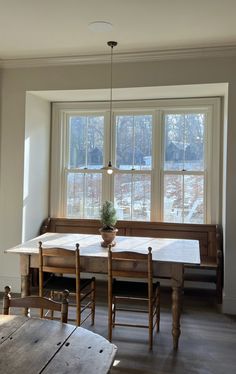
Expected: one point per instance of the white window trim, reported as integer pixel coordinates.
(60, 112)
(208, 159)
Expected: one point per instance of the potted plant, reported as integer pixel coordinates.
(108, 220)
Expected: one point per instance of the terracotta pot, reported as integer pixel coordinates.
(108, 237)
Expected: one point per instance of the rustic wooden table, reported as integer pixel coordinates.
(169, 257)
(33, 345)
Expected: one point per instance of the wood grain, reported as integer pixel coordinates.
(32, 346)
(83, 353)
(163, 250)
(9, 324)
(42, 346)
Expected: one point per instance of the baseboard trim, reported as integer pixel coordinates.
(229, 305)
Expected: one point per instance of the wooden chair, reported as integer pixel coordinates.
(60, 262)
(132, 265)
(35, 302)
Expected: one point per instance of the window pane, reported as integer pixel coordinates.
(194, 143)
(184, 199)
(134, 142)
(141, 197)
(193, 199)
(86, 134)
(84, 195)
(132, 196)
(173, 198)
(184, 141)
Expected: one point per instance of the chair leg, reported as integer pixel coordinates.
(78, 308)
(158, 309)
(150, 323)
(113, 314)
(93, 297)
(110, 318)
(52, 297)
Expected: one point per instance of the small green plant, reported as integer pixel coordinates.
(108, 216)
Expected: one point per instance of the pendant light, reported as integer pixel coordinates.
(109, 168)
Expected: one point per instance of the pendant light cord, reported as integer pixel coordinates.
(111, 86)
(111, 102)
(111, 44)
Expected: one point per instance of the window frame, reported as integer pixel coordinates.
(207, 159)
(61, 111)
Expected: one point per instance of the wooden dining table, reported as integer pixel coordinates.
(169, 257)
(34, 345)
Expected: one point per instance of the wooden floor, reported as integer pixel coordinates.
(207, 343)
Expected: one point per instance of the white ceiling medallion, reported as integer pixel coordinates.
(100, 26)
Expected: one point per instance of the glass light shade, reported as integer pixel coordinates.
(109, 171)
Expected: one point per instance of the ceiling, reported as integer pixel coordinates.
(59, 28)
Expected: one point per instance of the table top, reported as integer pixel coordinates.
(34, 345)
(163, 250)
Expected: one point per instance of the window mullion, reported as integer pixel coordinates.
(86, 143)
(84, 193)
(65, 158)
(184, 141)
(183, 202)
(132, 195)
(156, 184)
(184, 172)
(133, 143)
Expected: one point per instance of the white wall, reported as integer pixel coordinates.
(25, 199)
(15, 84)
(36, 165)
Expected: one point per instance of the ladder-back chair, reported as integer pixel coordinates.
(38, 302)
(132, 265)
(59, 263)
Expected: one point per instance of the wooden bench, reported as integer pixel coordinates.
(209, 236)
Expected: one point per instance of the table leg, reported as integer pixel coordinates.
(25, 275)
(177, 280)
(176, 311)
(25, 285)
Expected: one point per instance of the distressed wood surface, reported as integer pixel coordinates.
(84, 352)
(38, 346)
(209, 235)
(9, 324)
(164, 250)
(32, 346)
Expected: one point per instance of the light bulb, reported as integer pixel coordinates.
(109, 171)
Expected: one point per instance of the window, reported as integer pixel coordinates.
(184, 167)
(83, 177)
(166, 155)
(133, 157)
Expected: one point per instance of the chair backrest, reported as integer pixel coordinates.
(58, 260)
(127, 264)
(37, 302)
